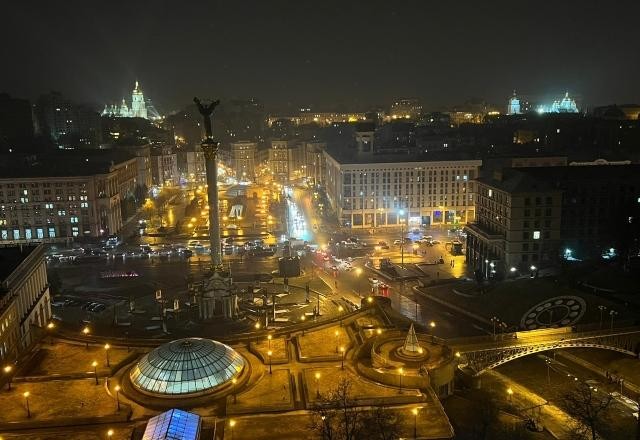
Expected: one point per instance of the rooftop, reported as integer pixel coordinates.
(61, 163)
(11, 258)
(186, 367)
(534, 179)
(347, 156)
(173, 424)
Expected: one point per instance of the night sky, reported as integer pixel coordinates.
(327, 54)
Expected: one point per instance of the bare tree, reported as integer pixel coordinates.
(336, 417)
(588, 407)
(380, 424)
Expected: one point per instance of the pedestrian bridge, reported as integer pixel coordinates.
(479, 354)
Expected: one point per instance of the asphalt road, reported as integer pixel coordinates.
(403, 299)
(560, 378)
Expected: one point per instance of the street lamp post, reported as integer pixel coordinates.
(340, 310)
(257, 326)
(401, 212)
(302, 318)
(602, 309)
(612, 313)
(234, 381)
(117, 389)
(269, 337)
(26, 400)
(106, 353)
(337, 333)
(109, 434)
(342, 351)
(509, 393)
(269, 353)
(548, 371)
(50, 328)
(232, 423)
(432, 326)
(400, 372)
(7, 371)
(317, 376)
(85, 332)
(94, 364)
(414, 411)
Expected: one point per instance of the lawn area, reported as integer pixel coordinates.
(360, 388)
(54, 399)
(431, 423)
(62, 358)
(277, 347)
(77, 433)
(271, 391)
(511, 301)
(324, 342)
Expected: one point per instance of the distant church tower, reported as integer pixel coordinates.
(514, 105)
(138, 107)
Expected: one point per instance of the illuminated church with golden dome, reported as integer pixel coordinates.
(140, 108)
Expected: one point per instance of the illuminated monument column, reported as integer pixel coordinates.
(218, 288)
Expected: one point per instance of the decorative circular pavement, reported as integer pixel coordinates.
(558, 311)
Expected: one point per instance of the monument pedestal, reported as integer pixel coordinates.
(218, 297)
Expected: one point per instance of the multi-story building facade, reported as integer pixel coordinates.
(164, 166)
(314, 162)
(279, 160)
(534, 216)
(243, 160)
(517, 224)
(380, 190)
(405, 108)
(24, 298)
(65, 196)
(191, 165)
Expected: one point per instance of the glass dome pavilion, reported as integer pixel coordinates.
(186, 366)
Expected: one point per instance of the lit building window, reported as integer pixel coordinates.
(536, 235)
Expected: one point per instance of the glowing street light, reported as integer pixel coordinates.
(117, 390)
(107, 347)
(509, 393)
(342, 350)
(50, 328)
(85, 332)
(269, 353)
(269, 337)
(317, 376)
(414, 411)
(94, 364)
(400, 372)
(340, 310)
(7, 371)
(336, 334)
(232, 423)
(26, 395)
(234, 381)
(110, 433)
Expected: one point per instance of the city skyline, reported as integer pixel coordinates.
(352, 56)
